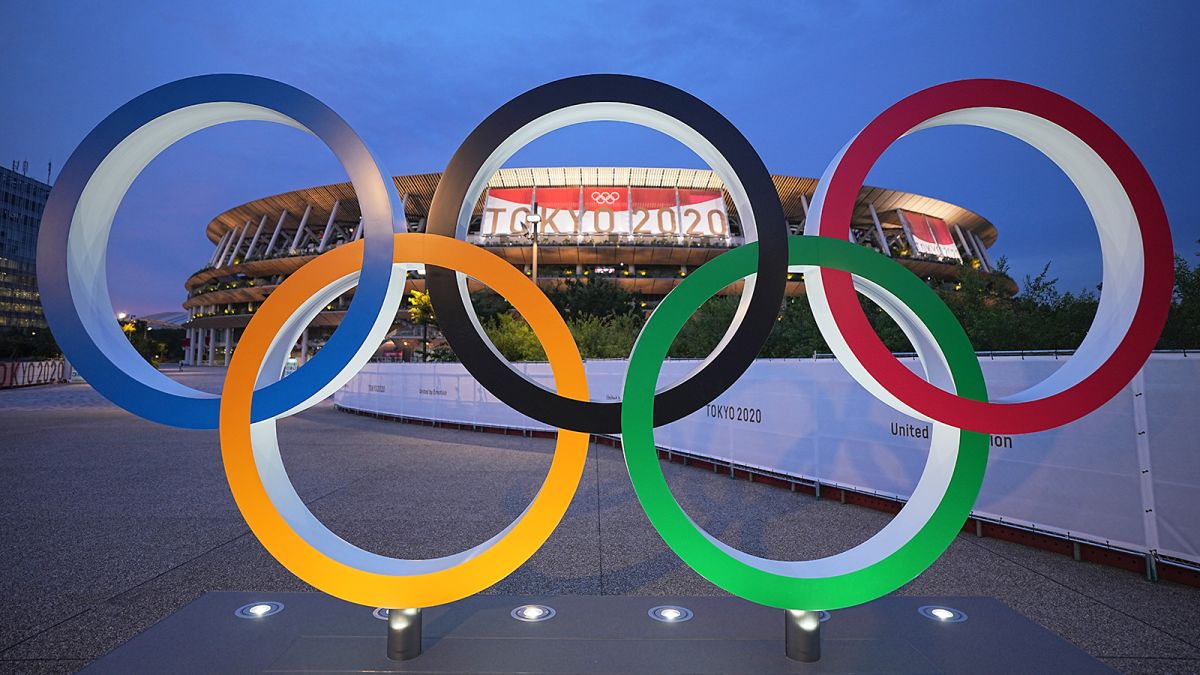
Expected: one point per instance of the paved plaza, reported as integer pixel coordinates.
(111, 523)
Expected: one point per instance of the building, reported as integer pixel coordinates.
(22, 200)
(643, 229)
(165, 320)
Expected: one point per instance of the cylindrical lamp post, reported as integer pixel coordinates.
(802, 635)
(531, 230)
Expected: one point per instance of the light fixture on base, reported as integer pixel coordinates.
(258, 610)
(942, 614)
(670, 613)
(533, 613)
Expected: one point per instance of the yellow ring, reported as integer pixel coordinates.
(370, 588)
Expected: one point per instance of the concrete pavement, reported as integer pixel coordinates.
(112, 523)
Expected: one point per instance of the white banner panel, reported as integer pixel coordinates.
(22, 373)
(505, 210)
(601, 211)
(1172, 396)
(671, 212)
(809, 419)
(605, 210)
(559, 208)
(702, 213)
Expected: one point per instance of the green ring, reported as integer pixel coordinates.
(690, 542)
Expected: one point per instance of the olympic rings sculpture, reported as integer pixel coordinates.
(1135, 243)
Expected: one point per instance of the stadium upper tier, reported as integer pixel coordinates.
(643, 229)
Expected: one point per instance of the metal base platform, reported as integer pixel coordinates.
(591, 634)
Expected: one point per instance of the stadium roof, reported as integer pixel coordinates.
(419, 189)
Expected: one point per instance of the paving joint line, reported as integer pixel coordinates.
(22, 641)
(599, 530)
(142, 583)
(1079, 592)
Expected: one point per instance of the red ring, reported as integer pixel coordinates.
(1158, 257)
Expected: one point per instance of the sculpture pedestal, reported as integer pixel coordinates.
(592, 634)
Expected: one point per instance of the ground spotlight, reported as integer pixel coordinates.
(942, 614)
(670, 613)
(258, 610)
(533, 613)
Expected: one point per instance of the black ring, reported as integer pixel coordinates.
(723, 368)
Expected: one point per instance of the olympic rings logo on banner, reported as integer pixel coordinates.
(606, 197)
(1138, 278)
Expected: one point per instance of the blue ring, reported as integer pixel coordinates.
(87, 332)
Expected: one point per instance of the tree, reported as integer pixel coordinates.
(27, 343)
(605, 322)
(983, 307)
(442, 354)
(605, 337)
(704, 329)
(420, 313)
(597, 297)
(795, 333)
(488, 303)
(513, 338)
(138, 333)
(1183, 320)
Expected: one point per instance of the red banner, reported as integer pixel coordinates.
(930, 235)
(606, 210)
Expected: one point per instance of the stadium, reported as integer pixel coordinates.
(640, 228)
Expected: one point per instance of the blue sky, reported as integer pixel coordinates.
(799, 79)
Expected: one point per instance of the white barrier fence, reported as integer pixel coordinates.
(1128, 475)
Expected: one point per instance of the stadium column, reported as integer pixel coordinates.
(275, 235)
(228, 244)
(227, 342)
(303, 348)
(233, 251)
(962, 241)
(983, 254)
(301, 227)
(212, 260)
(223, 247)
(257, 233)
(329, 226)
(908, 235)
(211, 338)
(883, 242)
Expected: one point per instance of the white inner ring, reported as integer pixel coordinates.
(1120, 247)
(91, 224)
(278, 486)
(612, 112)
(931, 488)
